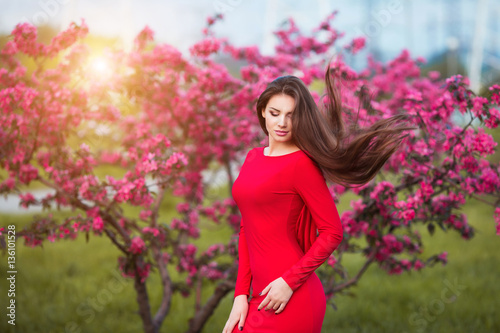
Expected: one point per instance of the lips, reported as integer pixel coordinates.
(281, 132)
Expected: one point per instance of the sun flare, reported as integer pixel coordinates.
(100, 66)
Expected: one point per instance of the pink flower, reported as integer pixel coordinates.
(425, 190)
(182, 207)
(27, 199)
(494, 118)
(495, 97)
(418, 265)
(143, 37)
(145, 214)
(406, 264)
(497, 219)
(153, 231)
(478, 105)
(205, 47)
(137, 245)
(356, 45)
(443, 257)
(332, 260)
(98, 224)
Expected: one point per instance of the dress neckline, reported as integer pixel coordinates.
(263, 154)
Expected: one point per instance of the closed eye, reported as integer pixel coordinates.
(275, 115)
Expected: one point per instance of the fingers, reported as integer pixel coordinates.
(226, 328)
(271, 305)
(230, 325)
(242, 321)
(281, 308)
(263, 303)
(266, 289)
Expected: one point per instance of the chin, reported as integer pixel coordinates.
(283, 138)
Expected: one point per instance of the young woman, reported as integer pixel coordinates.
(284, 201)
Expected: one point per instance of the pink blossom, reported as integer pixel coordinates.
(182, 207)
(406, 264)
(98, 224)
(211, 271)
(396, 270)
(478, 106)
(27, 199)
(418, 265)
(497, 219)
(28, 173)
(7, 184)
(443, 257)
(495, 97)
(205, 47)
(356, 45)
(145, 214)
(153, 231)
(214, 249)
(493, 120)
(425, 190)
(143, 271)
(143, 37)
(137, 245)
(332, 260)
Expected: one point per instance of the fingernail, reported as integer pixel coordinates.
(260, 293)
(258, 309)
(241, 328)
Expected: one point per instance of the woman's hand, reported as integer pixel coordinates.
(238, 314)
(278, 294)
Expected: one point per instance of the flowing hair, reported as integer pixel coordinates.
(347, 158)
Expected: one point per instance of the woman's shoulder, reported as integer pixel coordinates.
(305, 162)
(252, 154)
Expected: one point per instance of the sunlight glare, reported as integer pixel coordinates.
(100, 66)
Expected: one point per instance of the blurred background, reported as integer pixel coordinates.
(453, 36)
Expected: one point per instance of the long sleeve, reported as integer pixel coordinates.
(244, 278)
(311, 185)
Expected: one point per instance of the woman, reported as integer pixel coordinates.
(283, 198)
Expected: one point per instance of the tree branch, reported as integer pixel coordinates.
(355, 279)
(166, 283)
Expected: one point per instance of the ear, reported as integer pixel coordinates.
(263, 113)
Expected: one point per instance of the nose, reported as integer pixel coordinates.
(282, 122)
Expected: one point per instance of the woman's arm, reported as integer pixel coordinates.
(244, 277)
(310, 184)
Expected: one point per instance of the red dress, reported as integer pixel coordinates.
(283, 200)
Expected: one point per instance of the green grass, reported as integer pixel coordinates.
(71, 286)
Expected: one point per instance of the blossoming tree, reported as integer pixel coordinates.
(170, 118)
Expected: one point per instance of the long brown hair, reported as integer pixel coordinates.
(345, 157)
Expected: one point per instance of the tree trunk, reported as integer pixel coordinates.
(144, 309)
(200, 318)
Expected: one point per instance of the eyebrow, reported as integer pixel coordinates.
(279, 110)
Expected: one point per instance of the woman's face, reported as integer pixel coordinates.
(278, 115)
